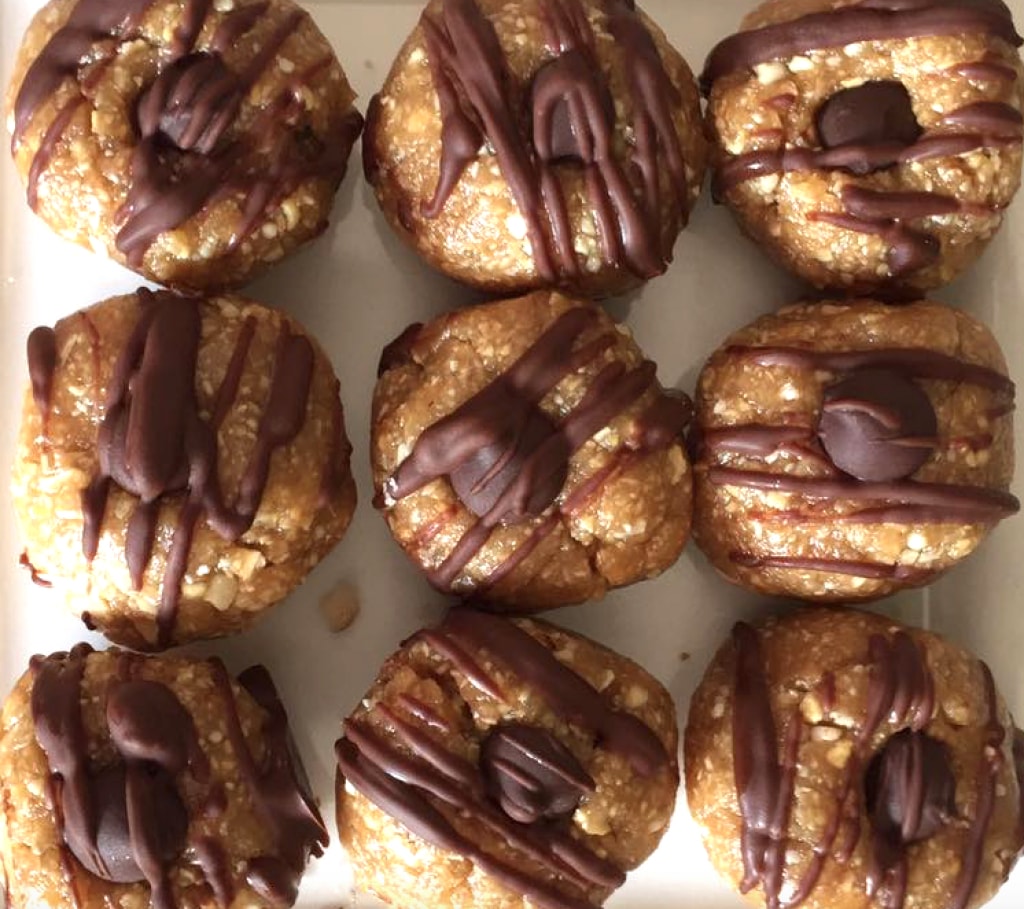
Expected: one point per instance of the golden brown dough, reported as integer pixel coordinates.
(849, 451)
(839, 760)
(505, 765)
(869, 146)
(182, 464)
(523, 451)
(142, 782)
(193, 141)
(538, 143)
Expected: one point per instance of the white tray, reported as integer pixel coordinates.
(355, 289)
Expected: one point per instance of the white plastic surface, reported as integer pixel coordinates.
(355, 289)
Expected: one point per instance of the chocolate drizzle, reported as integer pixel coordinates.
(877, 425)
(909, 797)
(154, 444)
(90, 22)
(904, 430)
(403, 768)
(531, 774)
(294, 823)
(42, 362)
(908, 785)
(126, 821)
(872, 127)
(873, 114)
(505, 458)
(865, 21)
(572, 124)
(186, 155)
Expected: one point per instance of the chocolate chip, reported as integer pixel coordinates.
(531, 774)
(148, 723)
(875, 113)
(167, 821)
(191, 103)
(910, 788)
(570, 110)
(483, 477)
(877, 425)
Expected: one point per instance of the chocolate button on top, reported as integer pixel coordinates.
(877, 425)
(875, 113)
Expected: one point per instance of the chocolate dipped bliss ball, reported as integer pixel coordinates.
(525, 453)
(869, 145)
(140, 782)
(182, 464)
(839, 760)
(538, 143)
(848, 451)
(193, 141)
(505, 765)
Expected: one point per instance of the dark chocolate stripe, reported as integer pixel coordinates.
(563, 690)
(853, 24)
(41, 349)
(413, 810)
(152, 423)
(294, 823)
(530, 454)
(738, 169)
(155, 739)
(991, 118)
(572, 118)
(437, 772)
(879, 205)
(764, 784)
(901, 691)
(90, 22)
(951, 501)
(916, 362)
(852, 567)
(985, 71)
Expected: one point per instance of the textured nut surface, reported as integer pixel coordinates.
(227, 584)
(817, 650)
(299, 102)
(40, 870)
(621, 821)
(633, 525)
(975, 449)
(774, 108)
(480, 236)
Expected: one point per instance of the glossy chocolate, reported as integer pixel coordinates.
(873, 126)
(908, 779)
(571, 122)
(872, 114)
(189, 151)
(42, 362)
(564, 692)
(760, 787)
(154, 444)
(531, 774)
(126, 820)
(527, 783)
(506, 459)
(877, 425)
(860, 22)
